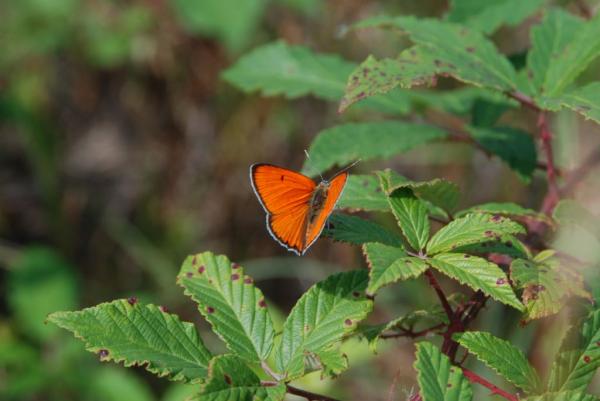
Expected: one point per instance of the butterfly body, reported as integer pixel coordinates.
(296, 206)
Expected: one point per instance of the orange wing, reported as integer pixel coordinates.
(336, 186)
(285, 195)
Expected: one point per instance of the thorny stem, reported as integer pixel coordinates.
(440, 293)
(475, 378)
(413, 334)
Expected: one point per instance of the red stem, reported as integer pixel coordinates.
(440, 293)
(475, 378)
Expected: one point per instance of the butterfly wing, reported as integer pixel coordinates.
(285, 195)
(336, 186)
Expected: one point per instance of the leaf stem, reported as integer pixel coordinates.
(308, 395)
(413, 334)
(440, 293)
(475, 378)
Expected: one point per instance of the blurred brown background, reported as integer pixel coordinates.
(122, 151)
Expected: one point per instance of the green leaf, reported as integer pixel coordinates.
(230, 302)
(505, 244)
(372, 76)
(214, 18)
(562, 48)
(569, 212)
(355, 230)
(438, 379)
(411, 214)
(455, 51)
(486, 113)
(562, 396)
(584, 100)
(578, 359)
(503, 357)
(299, 72)
(513, 146)
(545, 285)
(230, 379)
(40, 281)
(323, 316)
(346, 143)
(362, 192)
(488, 16)
(506, 209)
(139, 334)
(331, 361)
(389, 264)
(471, 229)
(438, 192)
(477, 273)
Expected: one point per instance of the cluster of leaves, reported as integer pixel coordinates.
(482, 247)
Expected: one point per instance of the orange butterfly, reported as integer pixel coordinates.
(297, 207)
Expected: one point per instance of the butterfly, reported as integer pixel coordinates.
(296, 206)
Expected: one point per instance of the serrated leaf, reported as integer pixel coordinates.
(513, 146)
(300, 72)
(332, 362)
(411, 215)
(231, 379)
(323, 316)
(411, 68)
(355, 230)
(562, 396)
(389, 264)
(230, 302)
(455, 50)
(571, 212)
(567, 46)
(506, 209)
(488, 16)
(362, 192)
(505, 244)
(579, 358)
(503, 357)
(438, 379)
(139, 335)
(477, 273)
(346, 143)
(471, 229)
(545, 285)
(584, 100)
(438, 192)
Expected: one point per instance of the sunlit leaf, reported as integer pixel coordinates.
(506, 209)
(411, 215)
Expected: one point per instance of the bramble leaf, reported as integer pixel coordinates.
(300, 72)
(488, 16)
(513, 146)
(477, 273)
(438, 379)
(471, 229)
(230, 379)
(579, 358)
(454, 50)
(139, 335)
(506, 209)
(389, 264)
(584, 100)
(355, 230)
(562, 396)
(411, 215)
(362, 192)
(230, 302)
(346, 143)
(545, 285)
(326, 313)
(505, 244)
(332, 361)
(503, 357)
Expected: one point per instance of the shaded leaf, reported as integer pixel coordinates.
(454, 50)
(505, 244)
(362, 192)
(513, 146)
(411, 215)
(346, 143)
(488, 16)
(230, 379)
(477, 273)
(389, 264)
(578, 359)
(545, 285)
(326, 313)
(139, 335)
(501, 356)
(471, 229)
(355, 230)
(438, 379)
(230, 302)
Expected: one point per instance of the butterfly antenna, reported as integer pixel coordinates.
(309, 164)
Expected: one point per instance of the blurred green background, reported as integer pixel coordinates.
(122, 151)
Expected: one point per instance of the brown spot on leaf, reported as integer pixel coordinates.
(103, 353)
(262, 303)
(470, 49)
(227, 379)
(235, 266)
(489, 233)
(201, 269)
(235, 277)
(248, 280)
(163, 309)
(348, 322)
(210, 309)
(189, 274)
(500, 281)
(132, 300)
(587, 359)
